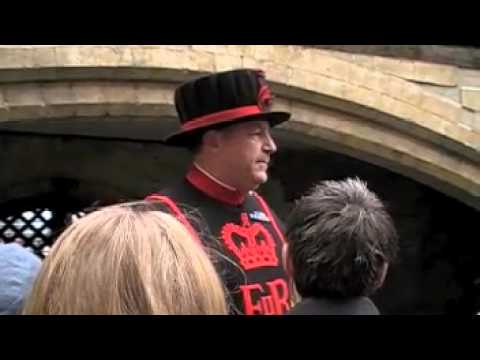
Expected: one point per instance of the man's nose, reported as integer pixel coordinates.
(270, 145)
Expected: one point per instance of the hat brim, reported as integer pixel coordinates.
(184, 138)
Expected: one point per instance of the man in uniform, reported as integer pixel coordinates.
(225, 122)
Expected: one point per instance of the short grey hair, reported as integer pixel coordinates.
(340, 236)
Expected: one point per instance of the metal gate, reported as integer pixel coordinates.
(36, 222)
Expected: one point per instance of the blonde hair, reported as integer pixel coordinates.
(127, 259)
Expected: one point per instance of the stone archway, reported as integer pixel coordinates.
(373, 116)
(85, 112)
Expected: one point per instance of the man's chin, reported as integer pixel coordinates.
(261, 179)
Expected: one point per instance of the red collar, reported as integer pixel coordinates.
(214, 189)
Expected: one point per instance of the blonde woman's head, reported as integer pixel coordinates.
(127, 259)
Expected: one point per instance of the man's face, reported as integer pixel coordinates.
(245, 151)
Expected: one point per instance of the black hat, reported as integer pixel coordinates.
(220, 99)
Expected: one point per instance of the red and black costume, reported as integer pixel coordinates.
(241, 226)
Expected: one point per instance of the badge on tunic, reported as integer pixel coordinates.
(259, 216)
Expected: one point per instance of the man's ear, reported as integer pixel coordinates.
(212, 139)
(383, 275)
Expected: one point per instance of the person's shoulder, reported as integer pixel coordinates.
(171, 191)
(352, 306)
(18, 270)
(15, 254)
(307, 307)
(179, 198)
(369, 307)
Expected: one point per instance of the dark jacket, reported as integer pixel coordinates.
(322, 306)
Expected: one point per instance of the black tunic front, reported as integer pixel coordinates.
(244, 230)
